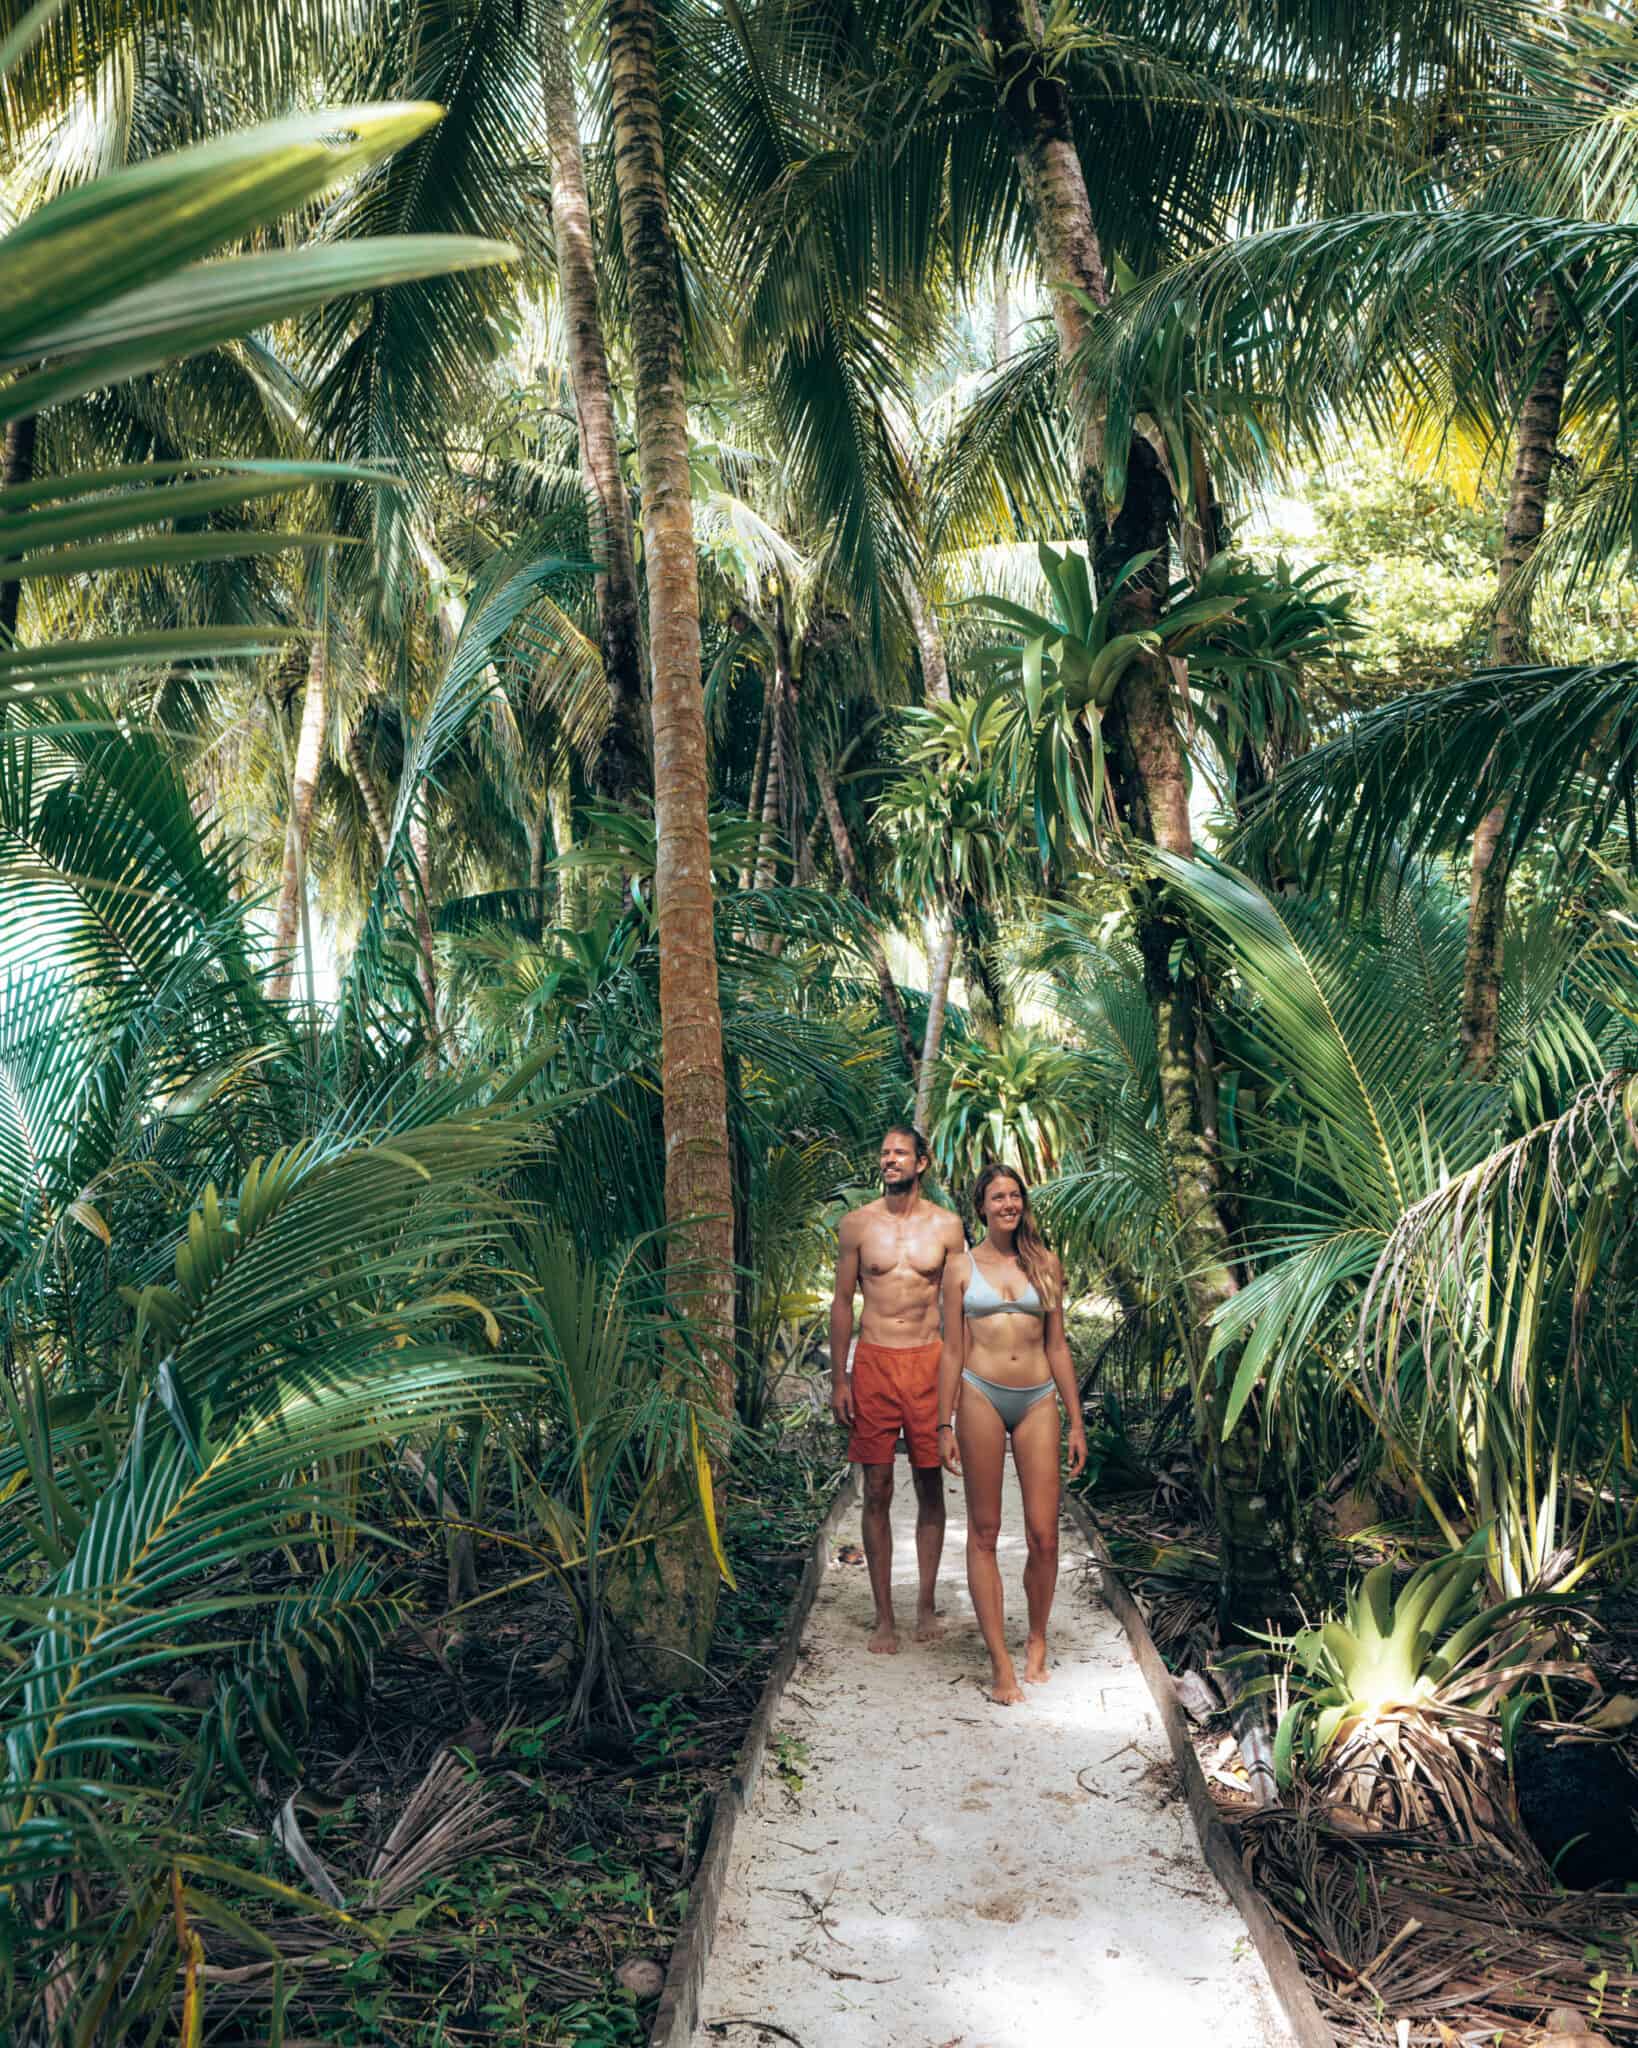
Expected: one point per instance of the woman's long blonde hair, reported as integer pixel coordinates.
(1033, 1253)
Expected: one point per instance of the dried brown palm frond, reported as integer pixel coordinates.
(1457, 1941)
(450, 1816)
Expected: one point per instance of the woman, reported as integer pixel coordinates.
(1005, 1356)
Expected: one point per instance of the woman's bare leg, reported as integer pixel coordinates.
(1035, 1455)
(983, 1453)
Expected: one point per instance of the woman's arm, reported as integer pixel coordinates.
(1062, 1367)
(954, 1355)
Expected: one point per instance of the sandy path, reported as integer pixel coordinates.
(950, 1874)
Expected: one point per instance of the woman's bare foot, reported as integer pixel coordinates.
(885, 1641)
(929, 1628)
(1035, 1662)
(1004, 1687)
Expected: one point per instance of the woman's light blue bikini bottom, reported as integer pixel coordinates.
(1012, 1404)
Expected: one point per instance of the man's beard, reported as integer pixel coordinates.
(898, 1187)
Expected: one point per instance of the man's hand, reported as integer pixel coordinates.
(1077, 1449)
(841, 1400)
(950, 1451)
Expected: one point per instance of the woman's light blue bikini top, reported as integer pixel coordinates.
(981, 1297)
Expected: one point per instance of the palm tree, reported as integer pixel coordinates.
(698, 1175)
(1535, 448)
(304, 775)
(1461, 301)
(622, 765)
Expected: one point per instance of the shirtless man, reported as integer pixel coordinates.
(893, 1251)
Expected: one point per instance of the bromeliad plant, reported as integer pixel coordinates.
(1024, 1100)
(1398, 1706)
(1055, 685)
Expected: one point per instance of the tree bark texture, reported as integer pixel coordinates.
(375, 808)
(621, 769)
(1035, 106)
(773, 801)
(1535, 448)
(842, 844)
(1145, 757)
(793, 788)
(16, 467)
(534, 832)
(304, 774)
(698, 1181)
(935, 667)
(938, 1000)
(759, 784)
(571, 898)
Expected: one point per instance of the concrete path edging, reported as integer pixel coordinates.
(1285, 1973)
(678, 2010)
(925, 1869)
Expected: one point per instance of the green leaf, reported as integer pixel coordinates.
(216, 302)
(123, 232)
(1031, 663)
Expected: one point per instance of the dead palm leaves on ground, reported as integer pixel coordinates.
(1458, 1940)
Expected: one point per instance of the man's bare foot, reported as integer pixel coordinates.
(929, 1628)
(1005, 1689)
(1035, 1662)
(885, 1642)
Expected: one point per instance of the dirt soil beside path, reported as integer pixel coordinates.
(921, 1869)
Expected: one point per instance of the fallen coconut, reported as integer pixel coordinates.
(642, 1977)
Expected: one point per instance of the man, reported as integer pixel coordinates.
(893, 1251)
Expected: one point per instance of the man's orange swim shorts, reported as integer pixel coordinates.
(895, 1387)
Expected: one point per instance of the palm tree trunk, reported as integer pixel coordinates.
(1035, 107)
(935, 667)
(621, 768)
(16, 467)
(935, 679)
(759, 784)
(938, 998)
(698, 1175)
(773, 799)
(1147, 781)
(570, 898)
(792, 789)
(364, 776)
(534, 827)
(304, 776)
(842, 843)
(1535, 449)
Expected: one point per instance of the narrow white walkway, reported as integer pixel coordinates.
(921, 1869)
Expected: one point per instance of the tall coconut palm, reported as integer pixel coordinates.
(1147, 778)
(621, 766)
(1535, 447)
(304, 774)
(698, 1174)
(1487, 297)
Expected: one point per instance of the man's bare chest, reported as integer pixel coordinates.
(887, 1252)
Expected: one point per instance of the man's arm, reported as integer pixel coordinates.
(841, 1320)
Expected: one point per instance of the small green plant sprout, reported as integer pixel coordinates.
(791, 1761)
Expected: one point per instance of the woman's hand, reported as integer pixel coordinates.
(950, 1451)
(1077, 1449)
